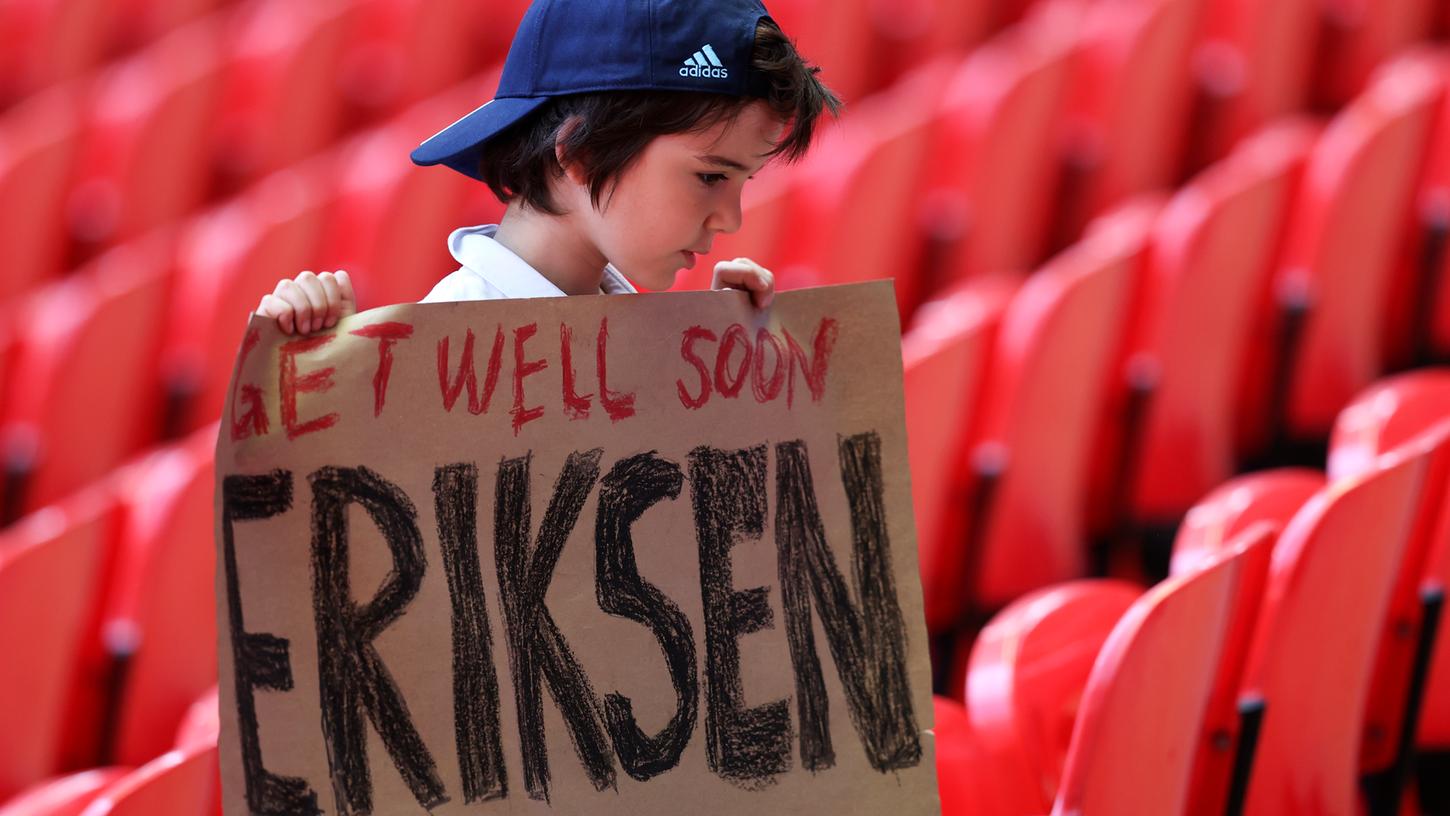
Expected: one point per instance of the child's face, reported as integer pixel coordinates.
(679, 194)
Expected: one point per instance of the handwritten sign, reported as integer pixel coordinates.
(643, 554)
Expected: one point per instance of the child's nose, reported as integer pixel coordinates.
(727, 217)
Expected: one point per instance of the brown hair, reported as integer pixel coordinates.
(607, 131)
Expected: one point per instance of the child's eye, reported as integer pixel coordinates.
(711, 179)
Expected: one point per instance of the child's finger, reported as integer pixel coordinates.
(349, 296)
(747, 275)
(332, 295)
(289, 291)
(279, 309)
(312, 289)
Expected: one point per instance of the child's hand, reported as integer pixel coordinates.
(743, 273)
(310, 302)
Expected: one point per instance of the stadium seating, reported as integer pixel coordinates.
(967, 778)
(1361, 35)
(38, 143)
(49, 41)
(1313, 649)
(54, 561)
(65, 796)
(178, 781)
(95, 333)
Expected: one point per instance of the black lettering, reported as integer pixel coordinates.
(351, 675)
(867, 643)
(536, 647)
(747, 746)
(633, 486)
(260, 661)
(475, 681)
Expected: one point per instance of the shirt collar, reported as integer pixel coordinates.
(478, 252)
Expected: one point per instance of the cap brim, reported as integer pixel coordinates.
(458, 146)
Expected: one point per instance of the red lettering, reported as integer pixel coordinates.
(477, 403)
(387, 335)
(687, 351)
(617, 405)
(576, 406)
(522, 369)
(290, 385)
(814, 369)
(767, 390)
(734, 336)
(254, 419)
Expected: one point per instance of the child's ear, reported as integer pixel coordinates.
(571, 167)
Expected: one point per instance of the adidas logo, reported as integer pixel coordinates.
(704, 63)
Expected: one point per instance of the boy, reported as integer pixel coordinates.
(620, 138)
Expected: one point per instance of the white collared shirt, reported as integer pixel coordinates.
(490, 271)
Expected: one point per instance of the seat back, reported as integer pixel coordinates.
(39, 140)
(180, 782)
(1350, 216)
(65, 796)
(945, 353)
(1363, 34)
(1049, 369)
(1314, 649)
(50, 561)
(1199, 293)
(1134, 742)
(1273, 496)
(1025, 680)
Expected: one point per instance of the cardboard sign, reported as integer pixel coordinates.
(639, 554)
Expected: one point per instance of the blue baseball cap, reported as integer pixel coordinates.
(583, 46)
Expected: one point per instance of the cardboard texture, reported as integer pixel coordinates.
(640, 554)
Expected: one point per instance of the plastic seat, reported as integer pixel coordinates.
(1252, 65)
(200, 729)
(50, 41)
(141, 22)
(1419, 321)
(1350, 216)
(179, 782)
(64, 796)
(95, 335)
(1314, 648)
(1200, 290)
(989, 201)
(1130, 98)
(945, 353)
(967, 779)
(854, 200)
(38, 144)
(840, 39)
(147, 159)
(1141, 716)
(1363, 34)
(1405, 414)
(161, 605)
(1025, 680)
(912, 32)
(284, 67)
(1272, 496)
(51, 561)
(1033, 453)
(227, 260)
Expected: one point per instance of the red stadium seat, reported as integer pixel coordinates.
(53, 562)
(85, 373)
(1406, 414)
(140, 22)
(967, 779)
(1419, 320)
(284, 68)
(179, 783)
(1130, 97)
(38, 144)
(912, 32)
(854, 200)
(1141, 714)
(1314, 647)
(227, 260)
(945, 354)
(1199, 292)
(147, 159)
(161, 605)
(65, 796)
(1025, 681)
(49, 41)
(1350, 216)
(1252, 66)
(840, 39)
(1033, 452)
(1272, 496)
(991, 182)
(1362, 34)
(202, 723)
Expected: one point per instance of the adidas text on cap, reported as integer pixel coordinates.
(583, 46)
